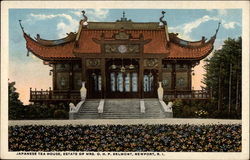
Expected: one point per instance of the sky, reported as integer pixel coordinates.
(191, 24)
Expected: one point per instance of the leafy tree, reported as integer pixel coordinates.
(225, 63)
(15, 105)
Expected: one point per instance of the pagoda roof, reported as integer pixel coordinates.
(60, 51)
(66, 48)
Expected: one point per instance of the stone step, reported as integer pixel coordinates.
(88, 110)
(121, 109)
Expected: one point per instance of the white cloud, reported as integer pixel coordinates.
(187, 28)
(78, 13)
(230, 25)
(67, 23)
(97, 14)
(64, 28)
(43, 16)
(92, 14)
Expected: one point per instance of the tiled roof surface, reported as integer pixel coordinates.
(43, 52)
(156, 45)
(124, 25)
(179, 52)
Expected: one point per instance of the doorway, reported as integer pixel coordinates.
(122, 78)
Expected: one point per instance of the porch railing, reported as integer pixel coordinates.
(36, 95)
(41, 95)
(187, 94)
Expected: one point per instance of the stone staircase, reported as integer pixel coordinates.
(121, 109)
(153, 109)
(88, 110)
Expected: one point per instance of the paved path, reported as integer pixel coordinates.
(124, 121)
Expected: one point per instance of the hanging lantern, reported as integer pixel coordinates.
(131, 66)
(113, 66)
(123, 69)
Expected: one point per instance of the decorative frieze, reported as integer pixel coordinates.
(93, 63)
(122, 48)
(151, 63)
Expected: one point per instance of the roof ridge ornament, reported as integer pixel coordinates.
(124, 18)
(217, 29)
(84, 21)
(21, 25)
(165, 25)
(84, 24)
(123, 14)
(161, 18)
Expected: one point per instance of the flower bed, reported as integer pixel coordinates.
(137, 138)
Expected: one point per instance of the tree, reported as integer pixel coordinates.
(15, 105)
(223, 76)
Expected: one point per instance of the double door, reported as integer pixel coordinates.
(122, 84)
(150, 86)
(94, 83)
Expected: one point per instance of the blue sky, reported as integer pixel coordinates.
(191, 24)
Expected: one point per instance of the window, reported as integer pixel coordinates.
(97, 82)
(127, 82)
(134, 82)
(148, 81)
(112, 82)
(120, 82)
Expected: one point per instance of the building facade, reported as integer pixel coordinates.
(122, 59)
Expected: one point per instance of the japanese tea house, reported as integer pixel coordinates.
(122, 59)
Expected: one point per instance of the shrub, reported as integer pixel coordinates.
(60, 114)
(177, 108)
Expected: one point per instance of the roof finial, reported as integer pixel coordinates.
(161, 18)
(84, 16)
(217, 29)
(123, 14)
(21, 25)
(123, 19)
